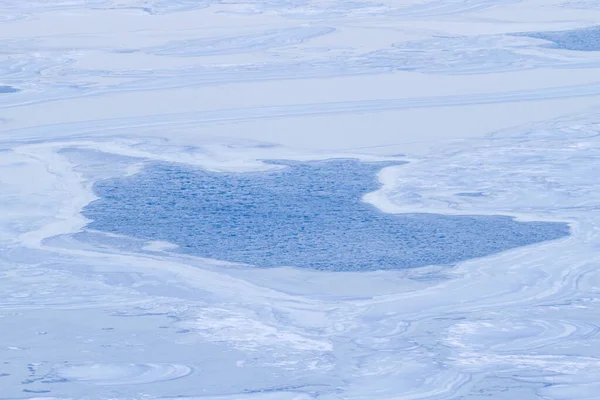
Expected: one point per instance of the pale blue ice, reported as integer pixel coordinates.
(90, 90)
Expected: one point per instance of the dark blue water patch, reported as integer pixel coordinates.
(307, 215)
(8, 89)
(587, 39)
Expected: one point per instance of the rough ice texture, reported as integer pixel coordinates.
(305, 215)
(587, 39)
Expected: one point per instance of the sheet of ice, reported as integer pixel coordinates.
(489, 124)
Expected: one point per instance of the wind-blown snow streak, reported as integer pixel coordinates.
(90, 315)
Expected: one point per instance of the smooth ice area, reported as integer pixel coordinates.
(307, 215)
(587, 39)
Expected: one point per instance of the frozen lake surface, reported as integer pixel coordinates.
(396, 244)
(307, 215)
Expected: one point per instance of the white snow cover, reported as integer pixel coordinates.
(223, 84)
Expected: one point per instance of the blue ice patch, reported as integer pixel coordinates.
(469, 194)
(8, 89)
(587, 39)
(307, 215)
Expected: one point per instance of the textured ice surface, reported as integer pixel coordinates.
(305, 215)
(587, 39)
